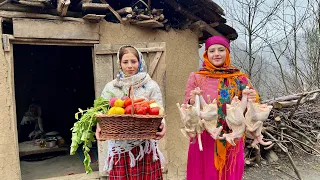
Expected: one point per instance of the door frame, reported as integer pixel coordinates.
(8, 42)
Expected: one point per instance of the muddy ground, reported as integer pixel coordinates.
(308, 166)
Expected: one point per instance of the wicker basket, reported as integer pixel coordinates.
(129, 126)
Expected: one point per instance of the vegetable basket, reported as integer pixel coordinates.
(129, 126)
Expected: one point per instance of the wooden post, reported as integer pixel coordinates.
(62, 7)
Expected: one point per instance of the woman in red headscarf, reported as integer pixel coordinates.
(221, 81)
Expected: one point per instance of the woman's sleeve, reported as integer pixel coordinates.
(191, 85)
(107, 87)
(156, 94)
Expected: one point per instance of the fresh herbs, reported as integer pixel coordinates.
(82, 129)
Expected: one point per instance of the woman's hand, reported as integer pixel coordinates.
(193, 94)
(252, 96)
(98, 132)
(162, 133)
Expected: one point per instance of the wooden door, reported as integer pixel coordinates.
(105, 70)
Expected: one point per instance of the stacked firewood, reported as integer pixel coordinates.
(293, 125)
(135, 15)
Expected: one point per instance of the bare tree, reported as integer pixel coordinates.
(279, 39)
(312, 36)
(251, 18)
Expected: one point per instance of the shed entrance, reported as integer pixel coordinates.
(51, 83)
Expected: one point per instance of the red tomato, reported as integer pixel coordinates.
(146, 106)
(154, 111)
(127, 102)
(141, 110)
(128, 109)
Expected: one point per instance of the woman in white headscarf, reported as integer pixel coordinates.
(133, 159)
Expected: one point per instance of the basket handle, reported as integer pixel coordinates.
(131, 93)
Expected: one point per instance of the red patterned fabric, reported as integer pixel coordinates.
(146, 169)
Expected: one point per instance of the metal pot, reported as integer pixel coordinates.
(51, 143)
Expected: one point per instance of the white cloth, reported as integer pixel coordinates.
(144, 87)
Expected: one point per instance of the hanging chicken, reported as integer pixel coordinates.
(235, 117)
(255, 116)
(235, 121)
(190, 117)
(209, 117)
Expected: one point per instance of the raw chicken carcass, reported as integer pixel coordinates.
(209, 117)
(255, 116)
(235, 120)
(190, 117)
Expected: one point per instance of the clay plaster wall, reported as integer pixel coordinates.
(9, 162)
(181, 58)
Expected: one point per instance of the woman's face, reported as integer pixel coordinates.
(217, 54)
(129, 64)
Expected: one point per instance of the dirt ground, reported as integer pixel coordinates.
(307, 165)
(63, 165)
(72, 167)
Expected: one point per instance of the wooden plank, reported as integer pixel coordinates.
(43, 1)
(124, 11)
(30, 3)
(215, 24)
(62, 7)
(159, 72)
(203, 26)
(159, 75)
(6, 43)
(3, 3)
(142, 50)
(149, 23)
(93, 17)
(28, 148)
(154, 63)
(115, 65)
(94, 6)
(103, 73)
(59, 42)
(12, 14)
(117, 15)
(38, 28)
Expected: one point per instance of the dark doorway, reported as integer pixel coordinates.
(59, 79)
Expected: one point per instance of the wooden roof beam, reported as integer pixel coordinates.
(12, 14)
(203, 26)
(199, 22)
(182, 10)
(95, 6)
(32, 3)
(210, 3)
(115, 13)
(62, 7)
